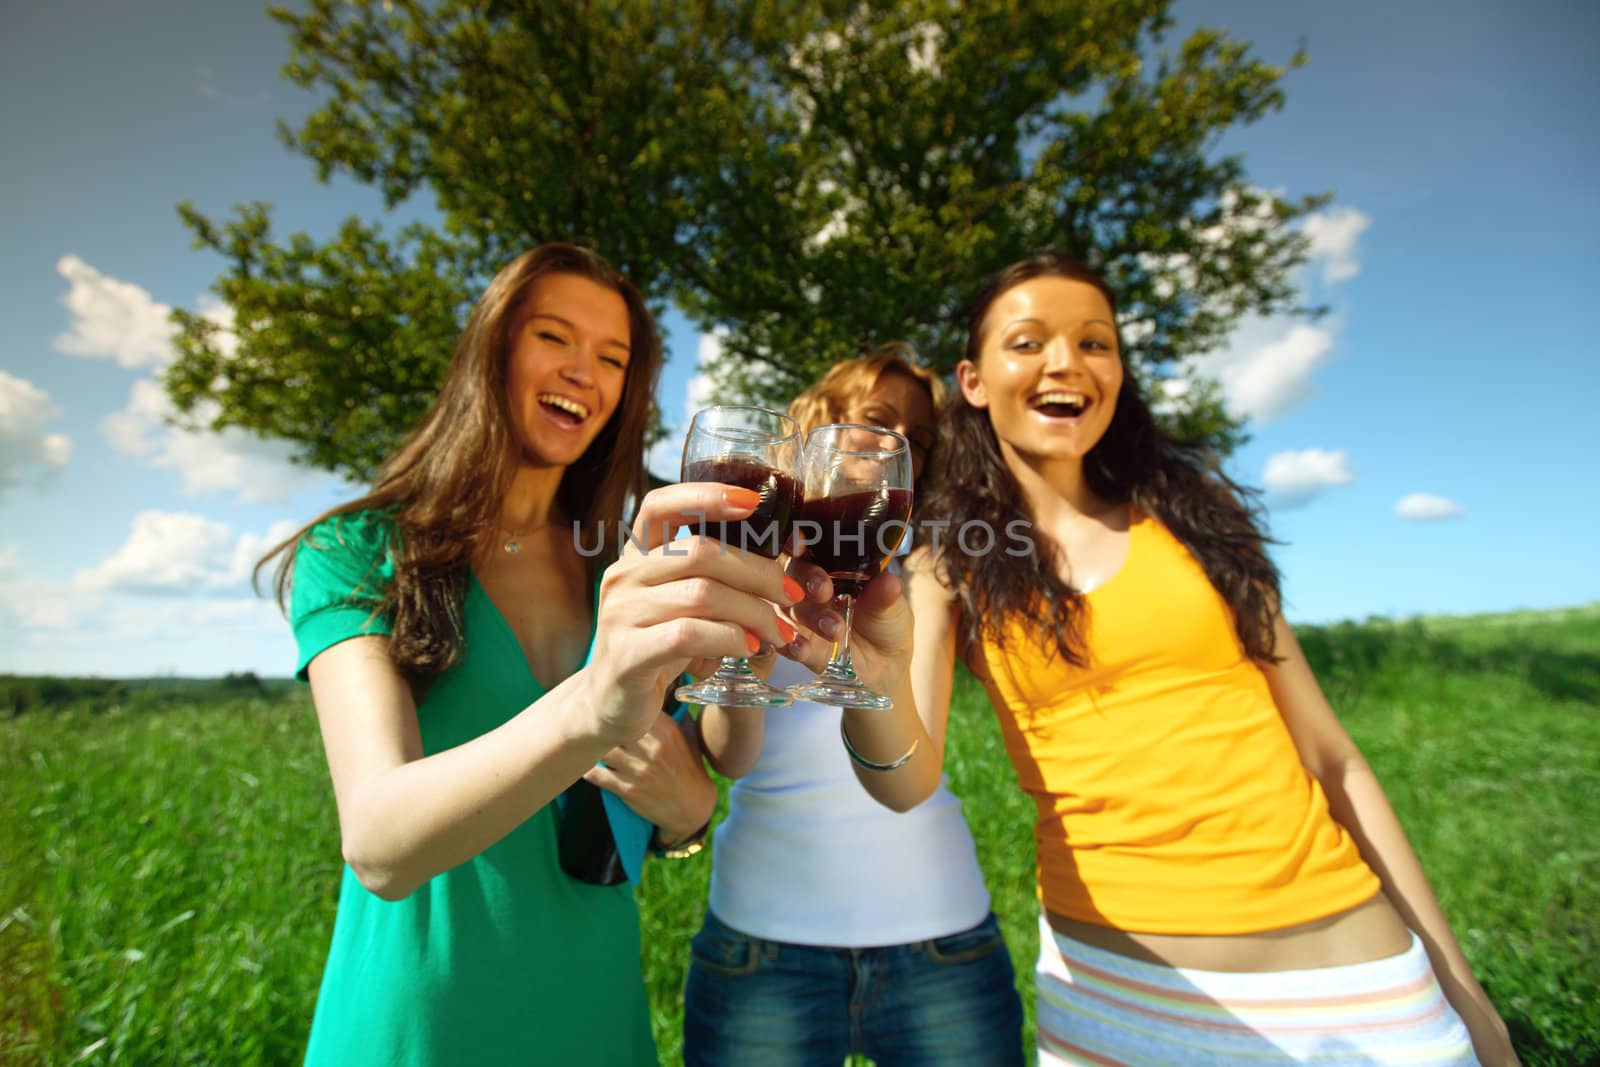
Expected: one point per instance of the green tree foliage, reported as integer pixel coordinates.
(807, 177)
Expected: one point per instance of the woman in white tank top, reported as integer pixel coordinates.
(836, 926)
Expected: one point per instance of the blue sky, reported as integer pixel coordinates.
(1456, 369)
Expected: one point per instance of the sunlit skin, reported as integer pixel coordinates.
(569, 350)
(570, 343)
(1048, 338)
(899, 402)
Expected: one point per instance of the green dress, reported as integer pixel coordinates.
(503, 959)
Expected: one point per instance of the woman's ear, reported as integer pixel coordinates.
(971, 385)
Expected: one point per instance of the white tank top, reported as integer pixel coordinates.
(806, 856)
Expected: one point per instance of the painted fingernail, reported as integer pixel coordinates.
(752, 642)
(829, 625)
(792, 590)
(814, 585)
(785, 631)
(741, 498)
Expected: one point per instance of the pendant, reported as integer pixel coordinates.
(512, 546)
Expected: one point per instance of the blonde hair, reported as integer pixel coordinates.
(847, 383)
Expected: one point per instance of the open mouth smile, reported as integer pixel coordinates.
(563, 410)
(1060, 403)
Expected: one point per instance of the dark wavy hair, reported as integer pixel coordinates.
(1179, 483)
(442, 488)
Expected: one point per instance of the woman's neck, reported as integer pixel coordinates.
(530, 503)
(1054, 489)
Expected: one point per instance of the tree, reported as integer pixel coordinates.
(807, 177)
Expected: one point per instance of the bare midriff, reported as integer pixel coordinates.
(1372, 930)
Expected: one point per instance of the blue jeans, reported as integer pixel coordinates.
(950, 1000)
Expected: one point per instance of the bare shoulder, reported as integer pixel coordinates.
(925, 576)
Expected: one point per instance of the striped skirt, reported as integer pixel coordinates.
(1096, 1007)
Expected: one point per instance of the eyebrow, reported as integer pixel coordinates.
(568, 323)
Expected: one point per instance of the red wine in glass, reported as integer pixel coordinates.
(856, 533)
(751, 448)
(767, 528)
(855, 498)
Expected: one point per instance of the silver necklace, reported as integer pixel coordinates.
(513, 542)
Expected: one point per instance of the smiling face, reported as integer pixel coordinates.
(567, 367)
(1049, 369)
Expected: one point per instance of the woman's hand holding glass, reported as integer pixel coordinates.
(757, 450)
(856, 492)
(666, 603)
(880, 627)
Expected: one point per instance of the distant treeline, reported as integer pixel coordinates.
(20, 693)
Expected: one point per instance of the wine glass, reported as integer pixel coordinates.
(855, 506)
(752, 448)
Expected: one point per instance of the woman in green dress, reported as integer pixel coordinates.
(471, 655)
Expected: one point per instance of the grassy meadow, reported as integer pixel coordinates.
(168, 868)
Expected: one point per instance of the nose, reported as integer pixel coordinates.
(579, 366)
(1060, 355)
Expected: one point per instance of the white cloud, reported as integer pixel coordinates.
(99, 627)
(251, 547)
(24, 445)
(68, 627)
(1295, 478)
(41, 605)
(119, 320)
(1333, 236)
(137, 428)
(1266, 369)
(180, 554)
(129, 636)
(113, 319)
(128, 616)
(1426, 507)
(231, 460)
(1278, 376)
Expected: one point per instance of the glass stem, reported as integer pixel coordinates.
(733, 669)
(839, 664)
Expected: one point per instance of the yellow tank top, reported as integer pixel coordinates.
(1171, 797)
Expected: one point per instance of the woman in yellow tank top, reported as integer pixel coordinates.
(1222, 879)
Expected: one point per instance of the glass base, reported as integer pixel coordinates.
(734, 685)
(840, 692)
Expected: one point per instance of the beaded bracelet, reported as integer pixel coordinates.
(861, 761)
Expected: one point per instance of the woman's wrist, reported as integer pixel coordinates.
(602, 711)
(681, 846)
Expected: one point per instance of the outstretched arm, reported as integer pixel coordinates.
(405, 816)
(1357, 800)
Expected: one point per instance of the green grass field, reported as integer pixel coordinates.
(168, 871)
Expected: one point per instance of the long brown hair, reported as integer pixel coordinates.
(443, 487)
(1179, 483)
